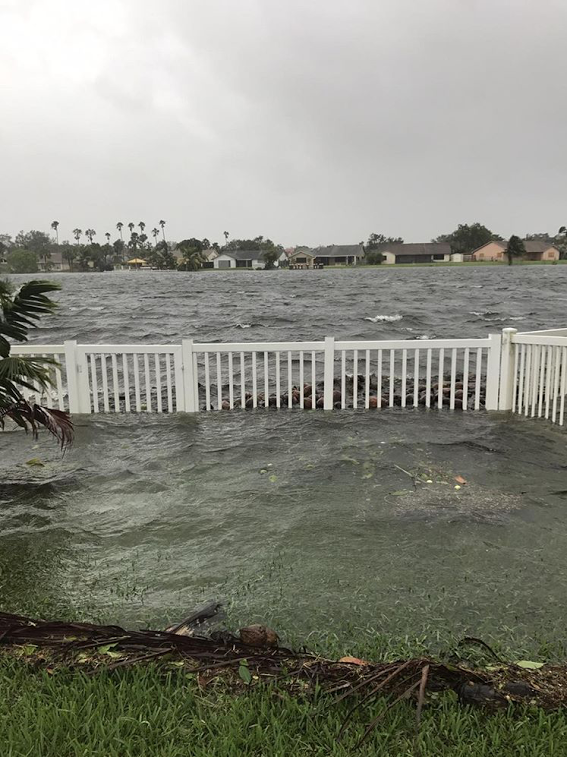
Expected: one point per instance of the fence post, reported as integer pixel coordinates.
(189, 378)
(329, 374)
(493, 371)
(507, 364)
(71, 373)
(83, 381)
(178, 374)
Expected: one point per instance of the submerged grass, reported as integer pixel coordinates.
(146, 711)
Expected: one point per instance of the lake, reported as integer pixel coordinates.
(309, 521)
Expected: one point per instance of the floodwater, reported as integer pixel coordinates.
(345, 521)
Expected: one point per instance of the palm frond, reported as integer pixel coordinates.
(31, 416)
(20, 311)
(27, 368)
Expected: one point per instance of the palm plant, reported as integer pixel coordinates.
(193, 255)
(131, 227)
(90, 233)
(77, 234)
(162, 224)
(134, 239)
(19, 310)
(155, 233)
(120, 226)
(107, 235)
(141, 226)
(225, 238)
(55, 227)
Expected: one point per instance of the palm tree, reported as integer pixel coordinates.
(515, 248)
(119, 226)
(155, 234)
(55, 227)
(18, 311)
(225, 238)
(141, 226)
(107, 235)
(193, 255)
(162, 224)
(134, 239)
(131, 227)
(69, 254)
(90, 233)
(77, 234)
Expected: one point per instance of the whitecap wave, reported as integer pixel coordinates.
(483, 313)
(384, 318)
(243, 325)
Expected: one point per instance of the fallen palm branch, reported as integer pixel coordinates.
(254, 656)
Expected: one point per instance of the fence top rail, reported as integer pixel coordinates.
(412, 344)
(543, 339)
(37, 349)
(120, 349)
(547, 332)
(259, 347)
(319, 346)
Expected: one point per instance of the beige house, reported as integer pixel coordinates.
(321, 257)
(535, 250)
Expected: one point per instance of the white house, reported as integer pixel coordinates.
(240, 259)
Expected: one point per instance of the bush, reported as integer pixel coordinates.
(373, 257)
(22, 261)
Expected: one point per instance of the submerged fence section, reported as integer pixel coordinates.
(534, 376)
(524, 373)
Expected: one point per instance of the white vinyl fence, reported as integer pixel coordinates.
(534, 378)
(525, 373)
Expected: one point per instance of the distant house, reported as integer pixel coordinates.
(56, 263)
(319, 257)
(535, 250)
(240, 259)
(426, 252)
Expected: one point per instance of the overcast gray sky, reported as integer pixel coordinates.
(309, 121)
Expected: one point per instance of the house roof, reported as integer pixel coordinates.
(417, 248)
(531, 245)
(302, 251)
(244, 254)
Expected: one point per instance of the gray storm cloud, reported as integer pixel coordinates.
(309, 122)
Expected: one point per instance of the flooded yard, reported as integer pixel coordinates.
(395, 520)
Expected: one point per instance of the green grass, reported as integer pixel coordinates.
(492, 264)
(147, 712)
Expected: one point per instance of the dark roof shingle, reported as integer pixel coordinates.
(338, 251)
(417, 248)
(244, 254)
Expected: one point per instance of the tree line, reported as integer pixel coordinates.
(24, 253)
(28, 249)
(467, 238)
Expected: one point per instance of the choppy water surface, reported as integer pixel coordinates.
(307, 520)
(281, 305)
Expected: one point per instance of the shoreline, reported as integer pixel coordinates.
(381, 266)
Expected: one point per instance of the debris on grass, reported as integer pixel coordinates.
(255, 656)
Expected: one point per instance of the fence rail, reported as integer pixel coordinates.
(524, 373)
